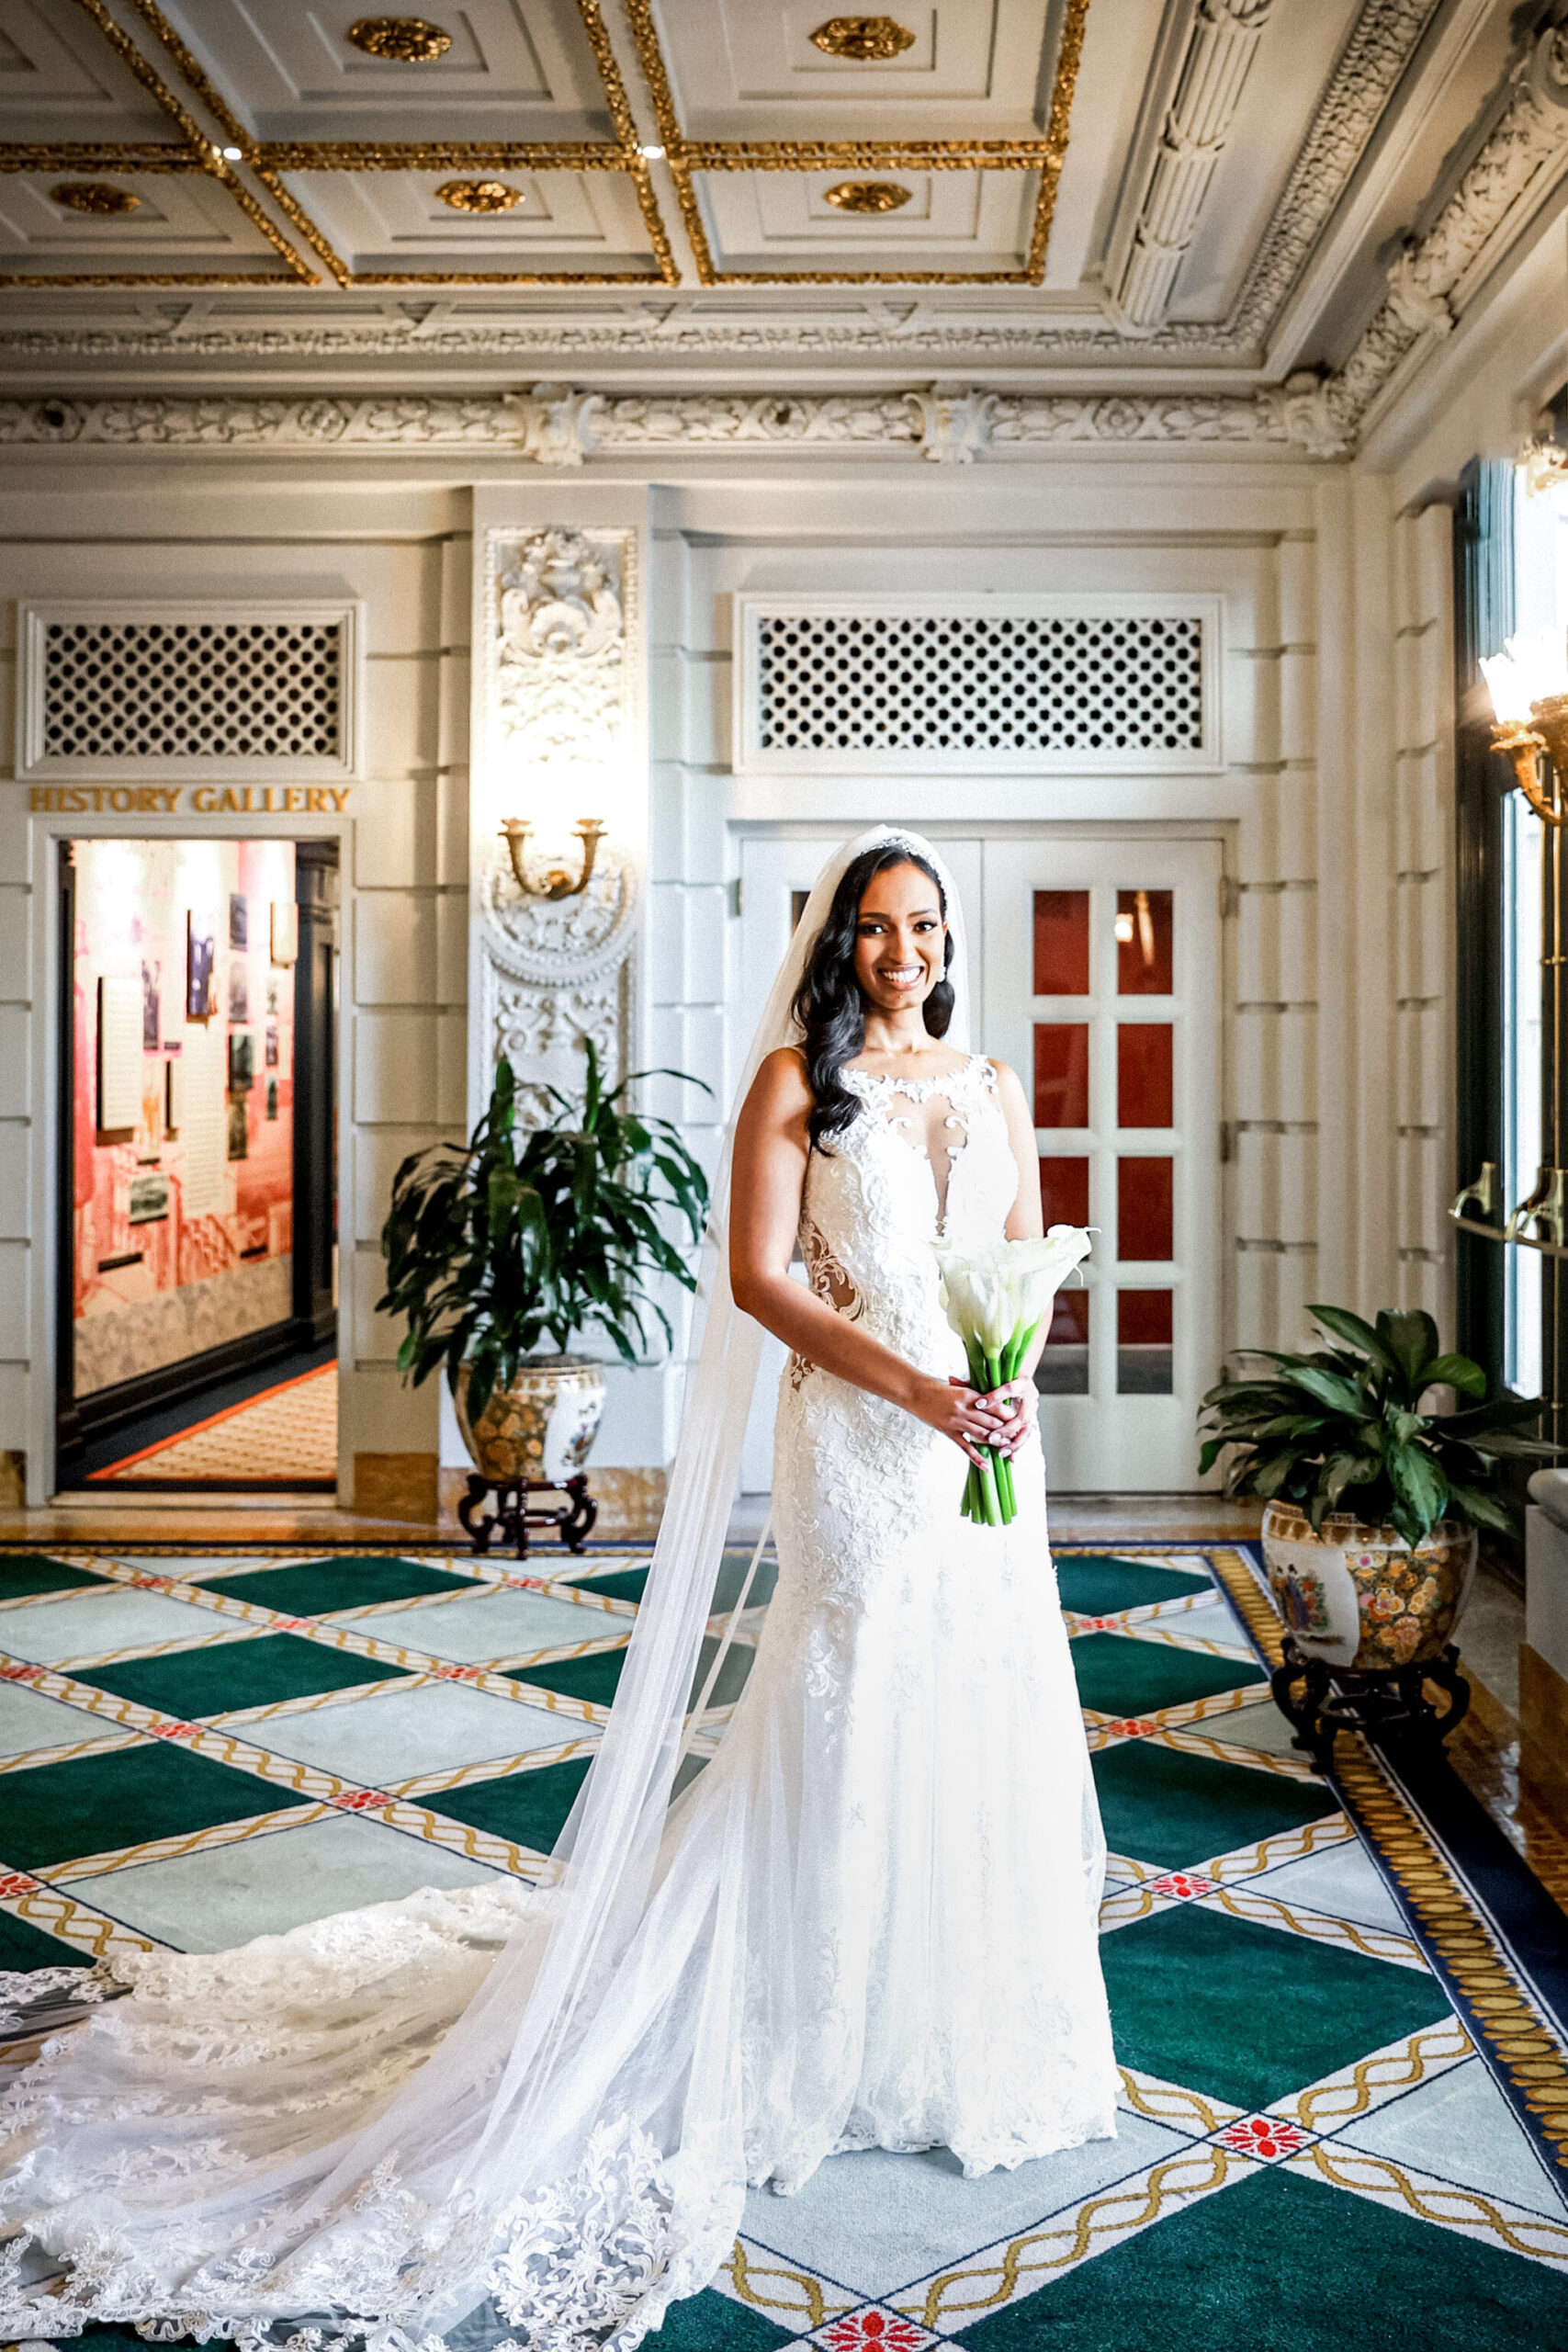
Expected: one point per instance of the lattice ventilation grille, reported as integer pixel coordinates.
(193, 690)
(931, 683)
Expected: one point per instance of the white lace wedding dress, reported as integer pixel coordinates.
(869, 1921)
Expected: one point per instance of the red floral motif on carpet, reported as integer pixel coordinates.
(861, 2331)
(1262, 2135)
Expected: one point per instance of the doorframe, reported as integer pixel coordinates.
(51, 1108)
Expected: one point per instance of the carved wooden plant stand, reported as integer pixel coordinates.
(1322, 1701)
(511, 1519)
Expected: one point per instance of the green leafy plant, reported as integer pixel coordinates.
(550, 1229)
(1341, 1430)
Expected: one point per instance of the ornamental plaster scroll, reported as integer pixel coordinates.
(561, 697)
(1525, 154)
(1207, 84)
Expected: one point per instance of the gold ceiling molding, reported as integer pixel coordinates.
(268, 159)
(835, 154)
(204, 156)
(234, 130)
(78, 155)
(685, 156)
(439, 155)
(402, 41)
(870, 41)
(99, 196)
(867, 196)
(480, 196)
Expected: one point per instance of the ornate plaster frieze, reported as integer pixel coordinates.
(1207, 84)
(1526, 152)
(554, 426)
(1370, 66)
(561, 710)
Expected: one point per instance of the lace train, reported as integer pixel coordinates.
(870, 1921)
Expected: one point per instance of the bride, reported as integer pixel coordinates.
(870, 1921)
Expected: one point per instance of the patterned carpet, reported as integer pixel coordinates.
(292, 1429)
(1344, 2112)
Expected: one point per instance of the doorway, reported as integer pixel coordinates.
(1094, 971)
(198, 1179)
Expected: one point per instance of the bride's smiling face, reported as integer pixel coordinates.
(900, 940)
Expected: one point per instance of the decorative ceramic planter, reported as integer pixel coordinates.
(1361, 1597)
(542, 1428)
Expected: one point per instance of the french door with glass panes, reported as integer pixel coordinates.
(1053, 988)
(1101, 988)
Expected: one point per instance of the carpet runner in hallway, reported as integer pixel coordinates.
(1345, 2100)
(284, 1437)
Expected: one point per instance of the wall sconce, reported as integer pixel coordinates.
(1529, 685)
(554, 882)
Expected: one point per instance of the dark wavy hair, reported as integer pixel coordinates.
(828, 1004)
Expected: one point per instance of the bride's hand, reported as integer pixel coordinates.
(956, 1411)
(1010, 1412)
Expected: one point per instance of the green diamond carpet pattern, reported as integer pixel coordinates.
(1255, 1956)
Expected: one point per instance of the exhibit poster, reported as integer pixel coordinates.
(120, 1056)
(201, 959)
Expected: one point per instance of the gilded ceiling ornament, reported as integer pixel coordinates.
(95, 196)
(406, 40)
(870, 41)
(867, 196)
(480, 196)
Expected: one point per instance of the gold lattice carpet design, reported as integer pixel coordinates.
(288, 1436)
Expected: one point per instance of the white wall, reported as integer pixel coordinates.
(1334, 801)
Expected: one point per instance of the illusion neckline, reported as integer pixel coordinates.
(915, 1089)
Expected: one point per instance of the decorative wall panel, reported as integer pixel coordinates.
(561, 722)
(976, 684)
(208, 689)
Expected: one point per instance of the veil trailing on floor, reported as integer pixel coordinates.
(526, 2099)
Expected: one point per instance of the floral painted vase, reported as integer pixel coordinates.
(1362, 1597)
(542, 1426)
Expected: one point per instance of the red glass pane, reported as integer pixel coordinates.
(1064, 1191)
(1145, 1226)
(1146, 1094)
(1062, 1369)
(1144, 1343)
(1143, 943)
(1143, 1319)
(1069, 1321)
(1061, 1074)
(1060, 943)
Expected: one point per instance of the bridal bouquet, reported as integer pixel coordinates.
(995, 1301)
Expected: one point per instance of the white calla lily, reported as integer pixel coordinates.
(995, 1300)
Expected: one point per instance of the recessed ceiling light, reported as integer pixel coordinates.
(232, 154)
(651, 154)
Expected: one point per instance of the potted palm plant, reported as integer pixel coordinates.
(1371, 1504)
(531, 1234)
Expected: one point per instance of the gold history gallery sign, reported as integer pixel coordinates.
(205, 799)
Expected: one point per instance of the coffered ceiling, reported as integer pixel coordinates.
(1212, 192)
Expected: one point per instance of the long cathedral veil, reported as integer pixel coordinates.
(382, 2122)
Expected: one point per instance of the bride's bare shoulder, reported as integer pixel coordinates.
(780, 1085)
